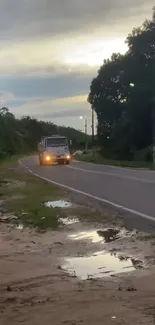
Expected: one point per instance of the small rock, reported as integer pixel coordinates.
(24, 213)
(120, 288)
(9, 289)
(114, 250)
(3, 210)
(131, 289)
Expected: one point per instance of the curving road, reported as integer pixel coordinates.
(133, 191)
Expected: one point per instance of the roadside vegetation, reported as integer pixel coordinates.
(97, 158)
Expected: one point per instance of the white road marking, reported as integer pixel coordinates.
(133, 178)
(116, 167)
(115, 205)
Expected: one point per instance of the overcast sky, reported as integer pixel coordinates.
(51, 49)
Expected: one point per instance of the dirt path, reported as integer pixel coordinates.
(35, 289)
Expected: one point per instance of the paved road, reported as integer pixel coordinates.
(134, 190)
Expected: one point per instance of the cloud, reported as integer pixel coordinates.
(52, 107)
(55, 37)
(68, 85)
(5, 97)
(52, 57)
(62, 111)
(36, 18)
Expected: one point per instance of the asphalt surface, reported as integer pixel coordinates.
(130, 190)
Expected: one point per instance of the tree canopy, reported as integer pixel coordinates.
(123, 95)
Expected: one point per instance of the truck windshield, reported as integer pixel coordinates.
(56, 142)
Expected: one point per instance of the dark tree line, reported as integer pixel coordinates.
(22, 135)
(123, 96)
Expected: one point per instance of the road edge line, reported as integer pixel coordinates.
(132, 178)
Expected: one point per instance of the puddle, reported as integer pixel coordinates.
(92, 235)
(58, 204)
(100, 264)
(7, 217)
(69, 221)
(106, 235)
(12, 183)
(20, 226)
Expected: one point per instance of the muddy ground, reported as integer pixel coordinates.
(80, 273)
(38, 285)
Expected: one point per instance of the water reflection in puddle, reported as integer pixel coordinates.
(106, 235)
(20, 226)
(69, 221)
(58, 204)
(99, 265)
(92, 235)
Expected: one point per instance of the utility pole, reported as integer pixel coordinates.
(92, 127)
(86, 145)
(153, 132)
(86, 142)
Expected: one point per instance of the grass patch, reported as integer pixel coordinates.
(98, 159)
(8, 161)
(24, 196)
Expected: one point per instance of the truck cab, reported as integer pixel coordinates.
(54, 149)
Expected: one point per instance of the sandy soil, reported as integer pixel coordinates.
(35, 289)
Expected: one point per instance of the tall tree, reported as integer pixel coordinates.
(123, 94)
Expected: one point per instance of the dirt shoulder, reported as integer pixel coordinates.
(40, 281)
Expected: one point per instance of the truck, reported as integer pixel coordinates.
(54, 149)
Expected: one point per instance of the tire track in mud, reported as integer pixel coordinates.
(23, 293)
(34, 282)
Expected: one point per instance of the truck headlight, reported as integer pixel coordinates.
(47, 158)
